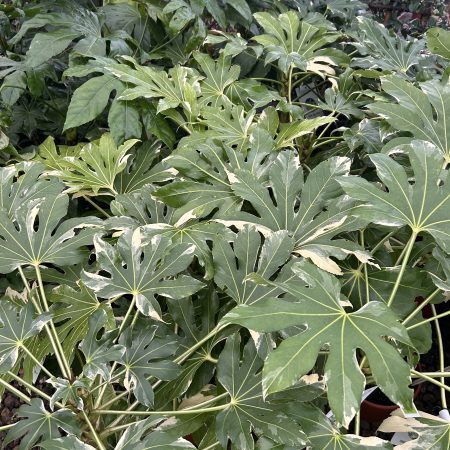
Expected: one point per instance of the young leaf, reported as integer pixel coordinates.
(247, 411)
(95, 167)
(422, 206)
(143, 271)
(39, 424)
(319, 308)
(67, 392)
(292, 42)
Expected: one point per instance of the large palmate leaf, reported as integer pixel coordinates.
(235, 260)
(38, 236)
(320, 309)
(423, 206)
(21, 182)
(99, 351)
(95, 167)
(65, 443)
(383, 50)
(433, 432)
(208, 168)
(304, 208)
(72, 311)
(323, 435)
(37, 423)
(422, 112)
(178, 87)
(219, 77)
(67, 391)
(247, 411)
(147, 354)
(143, 270)
(17, 326)
(292, 42)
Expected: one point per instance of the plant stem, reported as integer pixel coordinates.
(409, 247)
(182, 412)
(210, 447)
(53, 335)
(431, 380)
(111, 430)
(93, 432)
(418, 324)
(33, 388)
(357, 423)
(441, 355)
(97, 207)
(434, 374)
(15, 391)
(41, 366)
(366, 275)
(6, 427)
(421, 306)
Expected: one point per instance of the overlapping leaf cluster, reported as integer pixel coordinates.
(215, 220)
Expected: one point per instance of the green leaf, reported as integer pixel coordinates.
(17, 326)
(99, 352)
(311, 226)
(65, 443)
(322, 434)
(247, 411)
(220, 75)
(422, 206)
(95, 167)
(72, 310)
(433, 432)
(46, 45)
(422, 112)
(21, 182)
(143, 271)
(383, 50)
(233, 263)
(39, 424)
(320, 310)
(90, 99)
(438, 41)
(13, 86)
(147, 354)
(67, 392)
(37, 235)
(124, 121)
(292, 42)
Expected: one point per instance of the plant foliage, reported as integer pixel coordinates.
(215, 219)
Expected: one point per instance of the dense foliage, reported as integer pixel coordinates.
(215, 220)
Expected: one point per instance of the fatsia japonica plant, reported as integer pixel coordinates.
(222, 223)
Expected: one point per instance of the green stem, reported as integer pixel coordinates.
(289, 92)
(441, 356)
(434, 374)
(366, 275)
(59, 352)
(35, 360)
(268, 80)
(431, 380)
(409, 247)
(6, 427)
(358, 423)
(421, 306)
(97, 207)
(418, 324)
(93, 432)
(210, 447)
(182, 412)
(111, 430)
(15, 391)
(33, 388)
